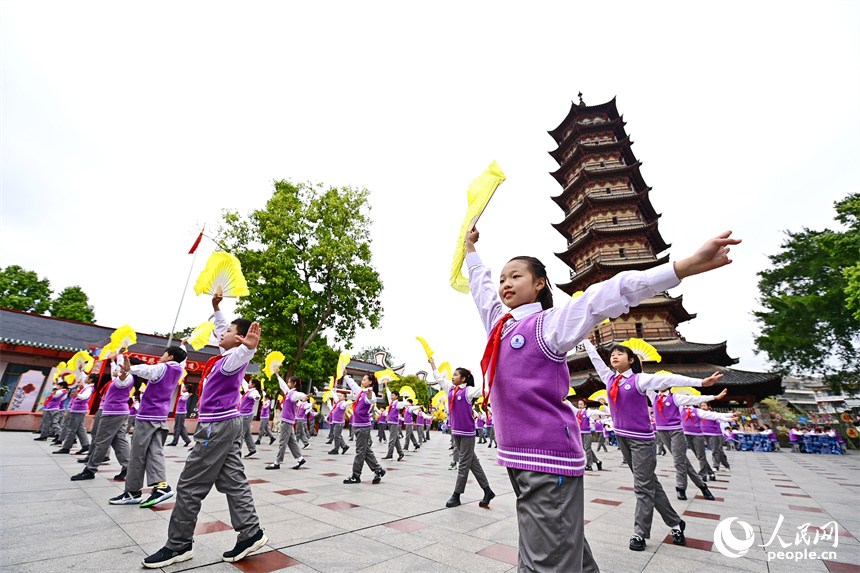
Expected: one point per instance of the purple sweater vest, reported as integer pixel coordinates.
(51, 404)
(710, 427)
(670, 418)
(338, 412)
(631, 417)
(182, 405)
(584, 421)
(461, 417)
(80, 405)
(288, 413)
(246, 407)
(531, 383)
(115, 401)
(361, 412)
(407, 416)
(479, 422)
(690, 423)
(221, 394)
(155, 402)
(266, 410)
(393, 413)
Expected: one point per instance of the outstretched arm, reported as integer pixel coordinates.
(602, 370)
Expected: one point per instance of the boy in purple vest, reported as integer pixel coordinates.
(179, 429)
(292, 398)
(51, 412)
(409, 413)
(394, 419)
(365, 400)
(246, 411)
(147, 447)
(217, 455)
(265, 413)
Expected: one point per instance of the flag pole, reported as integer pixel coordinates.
(188, 280)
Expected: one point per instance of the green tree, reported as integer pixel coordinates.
(806, 324)
(24, 290)
(417, 384)
(307, 260)
(368, 354)
(73, 304)
(179, 334)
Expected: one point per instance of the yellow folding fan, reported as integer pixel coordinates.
(273, 360)
(122, 338)
(342, 361)
(643, 350)
(61, 368)
(200, 336)
(686, 390)
(81, 362)
(426, 347)
(445, 369)
(222, 277)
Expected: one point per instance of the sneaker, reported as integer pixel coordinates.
(86, 474)
(454, 501)
(300, 464)
(637, 543)
(127, 498)
(85, 460)
(273, 467)
(271, 441)
(706, 493)
(682, 494)
(453, 466)
(121, 475)
(387, 458)
(45, 439)
(488, 495)
(251, 454)
(334, 452)
(244, 548)
(400, 457)
(164, 557)
(173, 444)
(678, 534)
(62, 451)
(257, 442)
(352, 479)
(600, 466)
(378, 476)
(157, 496)
(588, 469)
(306, 446)
(83, 450)
(345, 448)
(712, 477)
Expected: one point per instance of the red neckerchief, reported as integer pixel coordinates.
(613, 390)
(491, 356)
(689, 414)
(660, 403)
(453, 396)
(210, 364)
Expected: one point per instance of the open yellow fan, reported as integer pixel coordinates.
(81, 362)
(600, 394)
(571, 392)
(200, 336)
(407, 392)
(643, 350)
(182, 378)
(387, 374)
(445, 369)
(439, 399)
(222, 276)
(479, 194)
(686, 390)
(273, 360)
(61, 367)
(342, 362)
(122, 338)
(426, 347)
(578, 294)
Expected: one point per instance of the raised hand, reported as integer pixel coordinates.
(253, 337)
(216, 300)
(722, 394)
(712, 255)
(710, 380)
(471, 238)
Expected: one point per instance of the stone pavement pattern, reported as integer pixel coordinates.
(316, 523)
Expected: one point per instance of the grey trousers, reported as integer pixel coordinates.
(179, 430)
(420, 431)
(48, 423)
(427, 433)
(394, 440)
(465, 446)
(601, 442)
(677, 445)
(380, 427)
(590, 456)
(642, 461)
(131, 422)
(550, 523)
(288, 438)
(410, 436)
(56, 422)
(95, 428)
(330, 432)
(65, 418)
(112, 433)
(247, 436)
(265, 430)
(717, 452)
(302, 432)
(491, 434)
(364, 452)
(337, 440)
(147, 455)
(697, 444)
(76, 428)
(215, 460)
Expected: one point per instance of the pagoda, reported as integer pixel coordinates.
(610, 226)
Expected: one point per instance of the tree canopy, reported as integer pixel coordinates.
(368, 354)
(73, 304)
(23, 290)
(307, 261)
(807, 325)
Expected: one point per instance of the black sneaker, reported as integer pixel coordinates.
(678, 534)
(164, 557)
(271, 441)
(488, 495)
(712, 477)
(173, 444)
(600, 466)
(454, 501)
(706, 493)
(400, 457)
(300, 464)
(345, 448)
(251, 454)
(377, 477)
(588, 469)
(62, 451)
(157, 496)
(244, 548)
(387, 458)
(127, 498)
(682, 494)
(637, 543)
(85, 460)
(83, 450)
(45, 439)
(257, 442)
(333, 452)
(352, 479)
(273, 467)
(86, 474)
(121, 475)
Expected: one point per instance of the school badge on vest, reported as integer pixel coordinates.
(518, 341)
(627, 386)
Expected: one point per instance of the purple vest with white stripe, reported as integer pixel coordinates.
(670, 418)
(710, 427)
(407, 415)
(221, 394)
(631, 417)
(598, 426)
(288, 413)
(361, 411)
(584, 421)
(690, 423)
(462, 419)
(393, 413)
(266, 410)
(115, 401)
(50, 404)
(531, 383)
(246, 408)
(338, 412)
(81, 406)
(155, 402)
(182, 405)
(479, 422)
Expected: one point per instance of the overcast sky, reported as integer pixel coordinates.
(126, 126)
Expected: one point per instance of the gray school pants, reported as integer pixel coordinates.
(330, 437)
(265, 430)
(364, 452)
(697, 444)
(420, 431)
(56, 423)
(427, 433)
(590, 456)
(147, 455)
(642, 461)
(111, 433)
(76, 428)
(550, 522)
(179, 430)
(65, 418)
(718, 454)
(131, 422)
(491, 435)
(302, 432)
(677, 445)
(601, 442)
(465, 446)
(288, 438)
(410, 436)
(95, 428)
(246, 435)
(48, 423)
(394, 440)
(215, 460)
(337, 440)
(380, 427)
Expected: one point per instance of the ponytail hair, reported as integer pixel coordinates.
(636, 365)
(467, 375)
(296, 381)
(538, 271)
(374, 383)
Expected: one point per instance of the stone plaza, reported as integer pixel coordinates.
(316, 523)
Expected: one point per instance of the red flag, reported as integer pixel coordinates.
(197, 242)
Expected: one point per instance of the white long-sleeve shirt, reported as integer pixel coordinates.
(472, 392)
(369, 395)
(650, 383)
(155, 372)
(295, 396)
